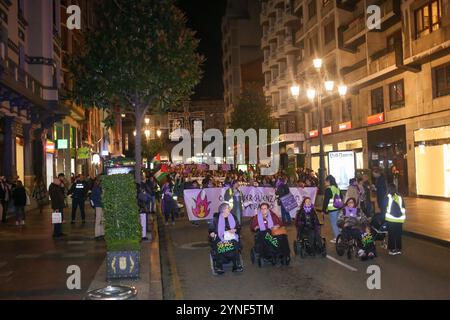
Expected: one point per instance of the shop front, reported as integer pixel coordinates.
(50, 149)
(432, 161)
(387, 151)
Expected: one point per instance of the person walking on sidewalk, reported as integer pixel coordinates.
(380, 187)
(19, 196)
(395, 217)
(96, 197)
(332, 204)
(40, 193)
(57, 202)
(5, 195)
(78, 190)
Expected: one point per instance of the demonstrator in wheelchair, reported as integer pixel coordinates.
(224, 238)
(271, 240)
(309, 239)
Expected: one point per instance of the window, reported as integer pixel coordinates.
(325, 2)
(20, 6)
(327, 116)
(397, 95)
(377, 100)
(392, 39)
(300, 17)
(441, 81)
(314, 120)
(313, 45)
(329, 32)
(428, 18)
(347, 110)
(312, 9)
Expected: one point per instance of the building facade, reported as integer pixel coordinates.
(242, 55)
(396, 113)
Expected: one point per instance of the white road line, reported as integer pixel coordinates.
(342, 264)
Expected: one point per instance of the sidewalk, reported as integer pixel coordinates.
(425, 218)
(429, 218)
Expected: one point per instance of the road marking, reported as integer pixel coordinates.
(342, 264)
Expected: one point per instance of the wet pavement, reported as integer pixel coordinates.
(420, 273)
(34, 266)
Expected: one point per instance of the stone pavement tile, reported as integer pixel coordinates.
(6, 274)
(2, 264)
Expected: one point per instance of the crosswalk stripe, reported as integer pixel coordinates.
(342, 264)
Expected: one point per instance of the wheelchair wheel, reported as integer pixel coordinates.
(302, 251)
(286, 260)
(341, 246)
(260, 262)
(295, 247)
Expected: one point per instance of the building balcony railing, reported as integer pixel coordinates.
(290, 19)
(355, 27)
(381, 61)
(25, 82)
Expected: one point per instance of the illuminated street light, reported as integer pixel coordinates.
(295, 91)
(311, 94)
(317, 63)
(147, 121)
(329, 86)
(159, 133)
(147, 133)
(134, 133)
(342, 90)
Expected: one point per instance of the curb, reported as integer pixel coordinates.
(156, 288)
(437, 241)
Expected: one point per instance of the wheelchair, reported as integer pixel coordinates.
(273, 257)
(347, 244)
(303, 248)
(228, 264)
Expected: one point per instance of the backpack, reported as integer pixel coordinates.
(337, 201)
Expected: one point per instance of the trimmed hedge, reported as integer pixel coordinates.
(122, 227)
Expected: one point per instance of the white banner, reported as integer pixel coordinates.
(201, 204)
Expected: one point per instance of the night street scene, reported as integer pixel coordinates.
(254, 152)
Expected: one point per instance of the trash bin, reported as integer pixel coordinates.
(113, 293)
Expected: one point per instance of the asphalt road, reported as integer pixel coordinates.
(422, 271)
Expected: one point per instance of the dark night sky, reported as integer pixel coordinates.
(205, 17)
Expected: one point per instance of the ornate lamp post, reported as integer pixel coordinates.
(314, 95)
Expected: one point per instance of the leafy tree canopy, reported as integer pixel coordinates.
(252, 111)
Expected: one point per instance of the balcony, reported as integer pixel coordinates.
(20, 81)
(390, 14)
(354, 29)
(381, 60)
(265, 42)
(355, 72)
(289, 46)
(291, 20)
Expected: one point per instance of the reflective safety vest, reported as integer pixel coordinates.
(389, 216)
(335, 191)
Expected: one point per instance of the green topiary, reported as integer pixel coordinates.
(122, 229)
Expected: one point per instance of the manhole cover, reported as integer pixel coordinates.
(195, 245)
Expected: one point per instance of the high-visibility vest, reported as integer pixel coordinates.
(389, 216)
(335, 191)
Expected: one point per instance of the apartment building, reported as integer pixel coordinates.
(242, 55)
(397, 110)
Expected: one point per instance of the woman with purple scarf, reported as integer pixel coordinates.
(270, 244)
(351, 221)
(308, 225)
(225, 240)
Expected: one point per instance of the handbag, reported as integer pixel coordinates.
(56, 217)
(28, 200)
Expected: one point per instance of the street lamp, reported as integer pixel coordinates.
(147, 121)
(159, 133)
(314, 94)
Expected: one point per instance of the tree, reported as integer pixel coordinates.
(252, 111)
(141, 55)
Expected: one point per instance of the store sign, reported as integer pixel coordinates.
(83, 153)
(63, 144)
(327, 130)
(345, 126)
(50, 147)
(377, 118)
(342, 166)
(314, 133)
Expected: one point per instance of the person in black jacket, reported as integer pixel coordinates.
(282, 190)
(19, 196)
(78, 191)
(308, 225)
(224, 235)
(381, 188)
(58, 204)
